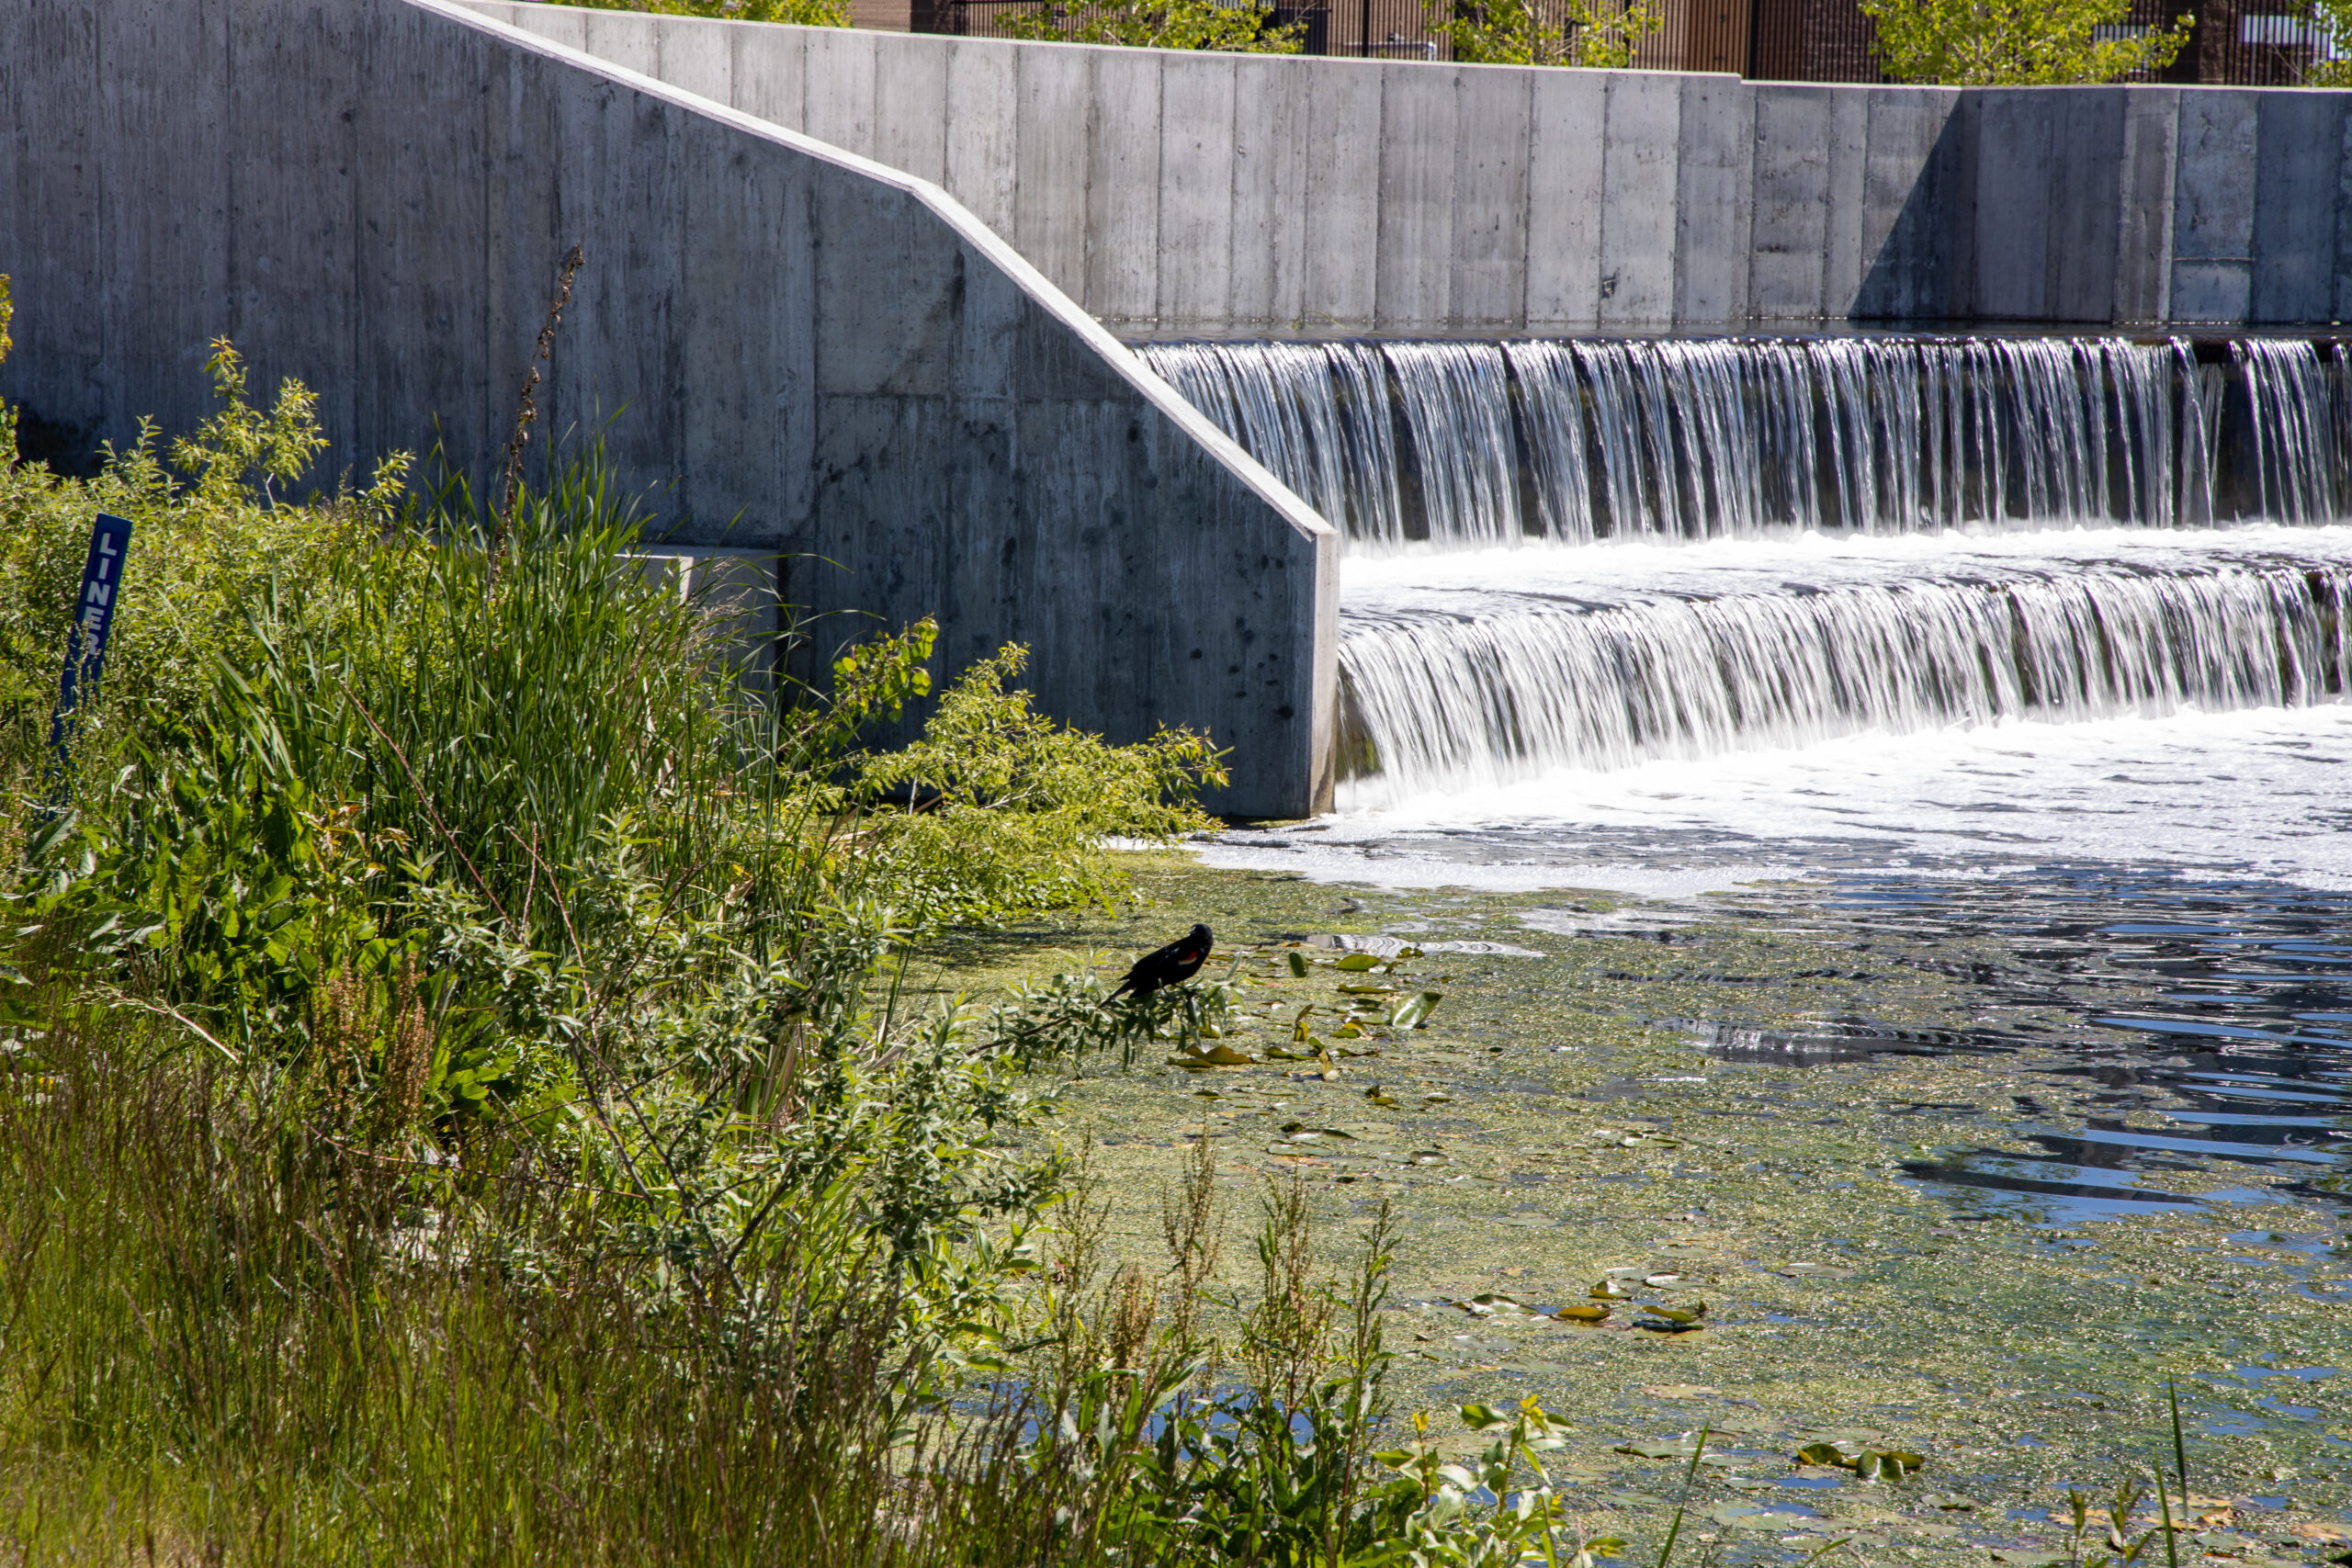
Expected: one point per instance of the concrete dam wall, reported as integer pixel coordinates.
(808, 353)
(853, 296)
(1176, 194)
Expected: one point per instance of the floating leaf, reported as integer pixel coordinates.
(1869, 1464)
(1368, 988)
(1373, 1095)
(1214, 1056)
(1658, 1448)
(1298, 963)
(1347, 1032)
(1679, 1317)
(1357, 963)
(1580, 1312)
(1414, 1012)
(1610, 1291)
(1276, 1053)
(1660, 1278)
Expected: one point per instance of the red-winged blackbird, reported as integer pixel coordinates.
(1178, 961)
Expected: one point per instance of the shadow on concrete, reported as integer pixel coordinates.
(1916, 272)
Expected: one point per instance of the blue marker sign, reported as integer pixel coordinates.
(86, 641)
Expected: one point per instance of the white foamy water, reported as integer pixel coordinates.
(2263, 792)
(1482, 668)
(1663, 617)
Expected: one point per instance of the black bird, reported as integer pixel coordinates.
(1178, 961)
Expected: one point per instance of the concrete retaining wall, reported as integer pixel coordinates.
(1176, 193)
(813, 353)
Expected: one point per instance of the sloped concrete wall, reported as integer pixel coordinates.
(1173, 193)
(805, 351)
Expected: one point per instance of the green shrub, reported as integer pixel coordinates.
(456, 1007)
(1989, 43)
(1009, 810)
(1157, 24)
(802, 13)
(1598, 33)
(211, 533)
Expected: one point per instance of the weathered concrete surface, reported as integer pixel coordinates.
(1173, 194)
(816, 354)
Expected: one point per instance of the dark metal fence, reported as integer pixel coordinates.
(2241, 42)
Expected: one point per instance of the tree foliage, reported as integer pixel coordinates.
(1158, 24)
(800, 13)
(2018, 43)
(1599, 33)
(2333, 21)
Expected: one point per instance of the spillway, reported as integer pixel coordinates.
(1587, 555)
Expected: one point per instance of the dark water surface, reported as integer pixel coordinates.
(2247, 1045)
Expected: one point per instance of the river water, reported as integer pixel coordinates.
(2037, 644)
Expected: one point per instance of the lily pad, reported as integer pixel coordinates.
(1357, 963)
(1583, 1312)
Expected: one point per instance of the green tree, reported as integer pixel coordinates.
(2017, 43)
(803, 13)
(1508, 32)
(1158, 24)
(2334, 20)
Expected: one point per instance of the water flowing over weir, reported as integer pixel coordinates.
(1470, 443)
(1486, 693)
(1466, 662)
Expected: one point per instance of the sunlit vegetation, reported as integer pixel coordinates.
(2000, 43)
(1599, 33)
(462, 1102)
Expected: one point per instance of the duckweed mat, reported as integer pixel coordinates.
(1574, 1126)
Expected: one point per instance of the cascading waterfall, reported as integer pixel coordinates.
(1464, 447)
(2295, 408)
(1433, 699)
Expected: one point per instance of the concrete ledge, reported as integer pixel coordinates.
(808, 353)
(1174, 194)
